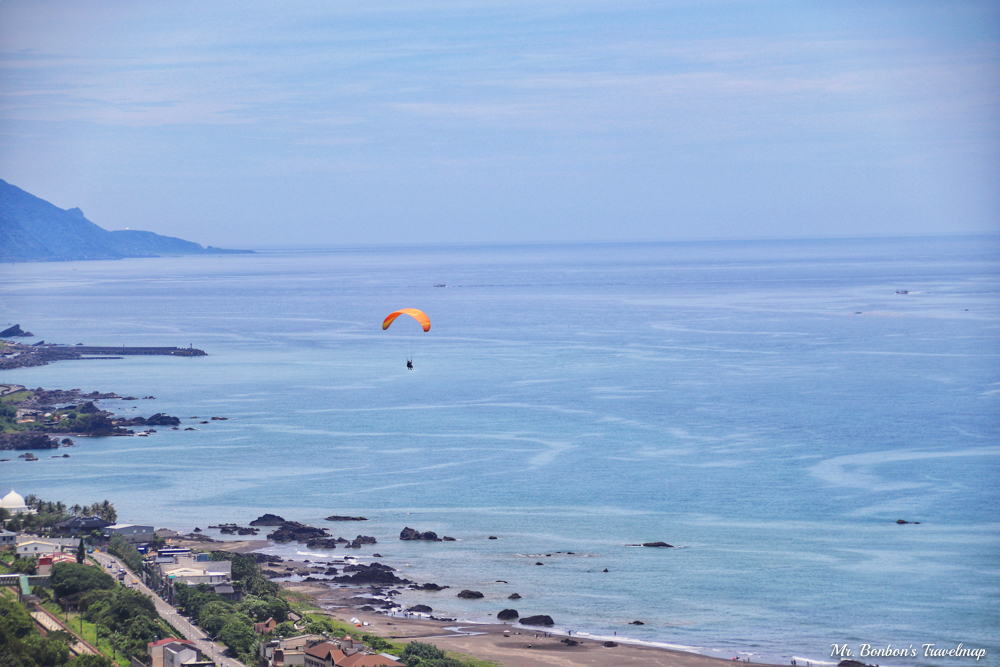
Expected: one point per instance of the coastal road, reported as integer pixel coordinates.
(212, 650)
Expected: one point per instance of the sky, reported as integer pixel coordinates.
(331, 123)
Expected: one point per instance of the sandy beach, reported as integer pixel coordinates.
(524, 647)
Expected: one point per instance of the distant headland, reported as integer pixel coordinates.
(34, 230)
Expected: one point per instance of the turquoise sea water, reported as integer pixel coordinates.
(770, 407)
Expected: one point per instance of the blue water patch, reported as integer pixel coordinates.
(769, 408)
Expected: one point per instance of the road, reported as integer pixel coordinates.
(210, 649)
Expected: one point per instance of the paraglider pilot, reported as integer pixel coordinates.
(409, 364)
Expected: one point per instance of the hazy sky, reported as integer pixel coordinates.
(248, 124)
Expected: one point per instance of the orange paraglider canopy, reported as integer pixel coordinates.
(418, 315)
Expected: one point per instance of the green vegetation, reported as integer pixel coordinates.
(232, 622)
(119, 546)
(50, 513)
(22, 646)
(70, 578)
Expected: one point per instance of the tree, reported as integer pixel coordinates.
(24, 565)
(90, 660)
(69, 578)
(416, 653)
(240, 638)
(81, 552)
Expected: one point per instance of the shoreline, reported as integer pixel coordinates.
(526, 646)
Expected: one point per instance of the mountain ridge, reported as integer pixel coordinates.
(35, 230)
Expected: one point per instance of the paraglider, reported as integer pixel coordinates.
(419, 315)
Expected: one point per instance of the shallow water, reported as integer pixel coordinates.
(771, 407)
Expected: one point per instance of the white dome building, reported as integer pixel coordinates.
(13, 502)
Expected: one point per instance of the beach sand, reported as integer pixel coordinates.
(485, 641)
(489, 642)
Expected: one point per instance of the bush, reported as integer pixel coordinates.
(69, 578)
(416, 653)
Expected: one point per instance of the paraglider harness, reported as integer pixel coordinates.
(409, 364)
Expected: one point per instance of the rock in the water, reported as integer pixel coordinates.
(851, 663)
(493, 537)
(429, 587)
(293, 531)
(445, 538)
(538, 620)
(411, 534)
(322, 543)
(513, 596)
(337, 517)
(470, 595)
(637, 623)
(362, 539)
(376, 573)
(658, 544)
(16, 332)
(160, 419)
(420, 608)
(507, 615)
(268, 520)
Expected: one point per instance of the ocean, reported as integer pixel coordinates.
(770, 408)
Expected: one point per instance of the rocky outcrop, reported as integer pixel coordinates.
(609, 644)
(420, 609)
(507, 615)
(233, 529)
(514, 596)
(902, 522)
(160, 419)
(428, 587)
(362, 539)
(27, 440)
(293, 531)
(337, 517)
(376, 573)
(470, 595)
(322, 543)
(658, 544)
(411, 534)
(637, 623)
(538, 620)
(268, 520)
(15, 332)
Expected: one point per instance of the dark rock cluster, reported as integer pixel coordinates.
(538, 620)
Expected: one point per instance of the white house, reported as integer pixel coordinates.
(37, 548)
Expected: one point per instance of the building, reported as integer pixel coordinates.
(37, 548)
(329, 654)
(45, 563)
(265, 627)
(187, 570)
(172, 652)
(14, 504)
(82, 524)
(130, 531)
(7, 539)
(288, 652)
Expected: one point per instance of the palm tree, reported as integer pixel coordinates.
(61, 508)
(76, 509)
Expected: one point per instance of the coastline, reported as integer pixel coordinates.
(526, 646)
